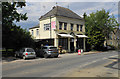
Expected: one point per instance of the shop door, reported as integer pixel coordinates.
(72, 44)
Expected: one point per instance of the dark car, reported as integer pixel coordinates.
(47, 51)
(25, 53)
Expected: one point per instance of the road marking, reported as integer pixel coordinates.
(88, 63)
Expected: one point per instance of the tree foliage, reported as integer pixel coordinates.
(98, 27)
(12, 35)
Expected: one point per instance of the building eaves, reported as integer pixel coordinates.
(34, 27)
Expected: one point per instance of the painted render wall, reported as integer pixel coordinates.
(35, 36)
(69, 21)
(45, 34)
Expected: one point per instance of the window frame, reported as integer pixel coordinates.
(78, 26)
(60, 25)
(32, 32)
(47, 27)
(81, 28)
(65, 26)
(71, 25)
(37, 32)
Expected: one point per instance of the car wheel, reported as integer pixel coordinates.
(34, 57)
(56, 56)
(24, 57)
(16, 55)
(45, 55)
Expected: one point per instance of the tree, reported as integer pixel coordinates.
(12, 35)
(98, 27)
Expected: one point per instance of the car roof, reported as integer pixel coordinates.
(48, 46)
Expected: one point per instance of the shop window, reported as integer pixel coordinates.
(47, 26)
(79, 43)
(65, 26)
(63, 42)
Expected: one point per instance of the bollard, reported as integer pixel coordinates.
(79, 52)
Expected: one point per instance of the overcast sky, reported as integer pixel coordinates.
(36, 9)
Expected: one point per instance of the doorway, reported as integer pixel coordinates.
(72, 44)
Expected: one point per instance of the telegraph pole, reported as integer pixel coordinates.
(56, 3)
(50, 29)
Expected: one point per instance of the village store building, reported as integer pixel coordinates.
(61, 27)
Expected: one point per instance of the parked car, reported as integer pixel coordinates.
(110, 47)
(48, 51)
(25, 53)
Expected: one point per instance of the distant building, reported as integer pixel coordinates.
(35, 32)
(61, 27)
(114, 38)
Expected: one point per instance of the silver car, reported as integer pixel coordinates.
(48, 51)
(25, 53)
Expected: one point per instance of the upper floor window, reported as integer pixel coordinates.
(71, 27)
(77, 27)
(65, 26)
(81, 27)
(37, 32)
(32, 32)
(110, 36)
(111, 42)
(117, 37)
(60, 25)
(47, 26)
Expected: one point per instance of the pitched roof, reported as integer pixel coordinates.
(61, 11)
(37, 26)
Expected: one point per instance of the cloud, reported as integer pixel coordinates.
(73, 1)
(90, 7)
(36, 9)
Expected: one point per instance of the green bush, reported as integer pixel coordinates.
(118, 46)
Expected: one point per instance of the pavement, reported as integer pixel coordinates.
(11, 59)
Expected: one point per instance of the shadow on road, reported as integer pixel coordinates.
(10, 59)
(114, 63)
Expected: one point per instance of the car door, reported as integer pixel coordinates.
(41, 51)
(44, 49)
(21, 52)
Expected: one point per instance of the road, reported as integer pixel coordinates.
(63, 66)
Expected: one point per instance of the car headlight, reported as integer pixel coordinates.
(49, 53)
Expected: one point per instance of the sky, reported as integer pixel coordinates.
(38, 8)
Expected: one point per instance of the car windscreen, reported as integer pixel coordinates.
(53, 47)
(44, 48)
(30, 50)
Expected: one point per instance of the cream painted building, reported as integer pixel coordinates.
(61, 27)
(114, 38)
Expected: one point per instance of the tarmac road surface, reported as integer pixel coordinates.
(58, 67)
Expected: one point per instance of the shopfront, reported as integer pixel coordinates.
(71, 42)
